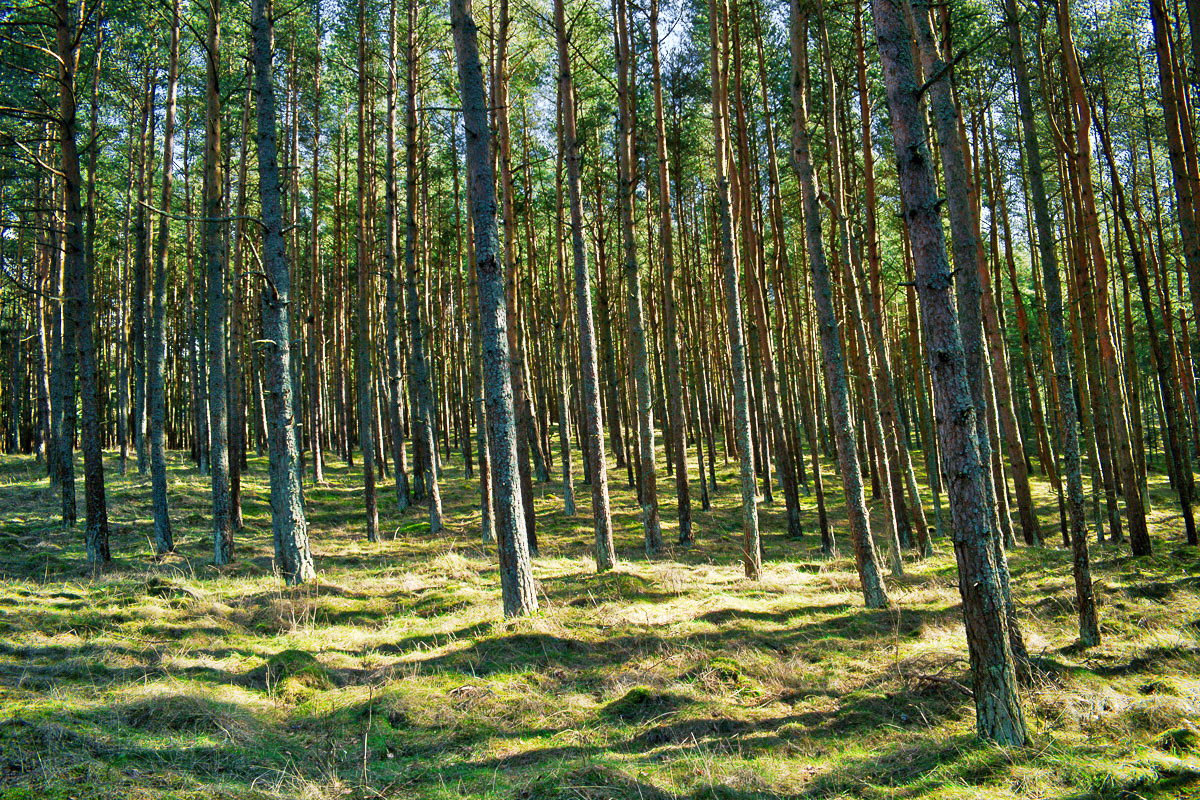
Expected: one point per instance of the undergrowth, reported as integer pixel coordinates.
(395, 674)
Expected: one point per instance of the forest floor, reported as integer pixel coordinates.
(395, 674)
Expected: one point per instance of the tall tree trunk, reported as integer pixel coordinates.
(316, 309)
(1089, 627)
(79, 301)
(517, 368)
(998, 712)
(751, 545)
(418, 366)
(877, 416)
(164, 541)
(1139, 535)
(392, 303)
(874, 593)
(362, 324)
(964, 227)
(675, 412)
(589, 378)
(289, 527)
(637, 352)
(214, 256)
(516, 576)
(237, 391)
(562, 319)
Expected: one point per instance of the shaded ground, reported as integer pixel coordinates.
(395, 675)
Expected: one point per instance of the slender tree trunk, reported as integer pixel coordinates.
(163, 539)
(78, 304)
(418, 366)
(751, 546)
(289, 527)
(637, 353)
(392, 304)
(1139, 535)
(316, 313)
(362, 333)
(237, 391)
(874, 593)
(214, 256)
(1089, 628)
(593, 434)
(562, 319)
(516, 576)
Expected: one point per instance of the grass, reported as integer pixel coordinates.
(394, 674)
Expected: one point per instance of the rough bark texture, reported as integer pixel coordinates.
(589, 378)
(362, 325)
(289, 527)
(751, 546)
(78, 302)
(214, 257)
(516, 576)
(418, 365)
(997, 702)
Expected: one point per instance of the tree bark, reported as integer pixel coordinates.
(998, 712)
(874, 592)
(289, 527)
(156, 391)
(516, 577)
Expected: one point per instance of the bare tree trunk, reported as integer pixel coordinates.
(997, 703)
(418, 366)
(637, 353)
(78, 304)
(316, 313)
(156, 395)
(362, 334)
(562, 318)
(874, 592)
(218, 397)
(1139, 535)
(593, 433)
(516, 576)
(964, 227)
(1089, 628)
(392, 304)
(289, 527)
(751, 545)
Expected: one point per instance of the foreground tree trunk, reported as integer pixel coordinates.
(516, 575)
(998, 712)
(964, 227)
(288, 524)
(78, 300)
